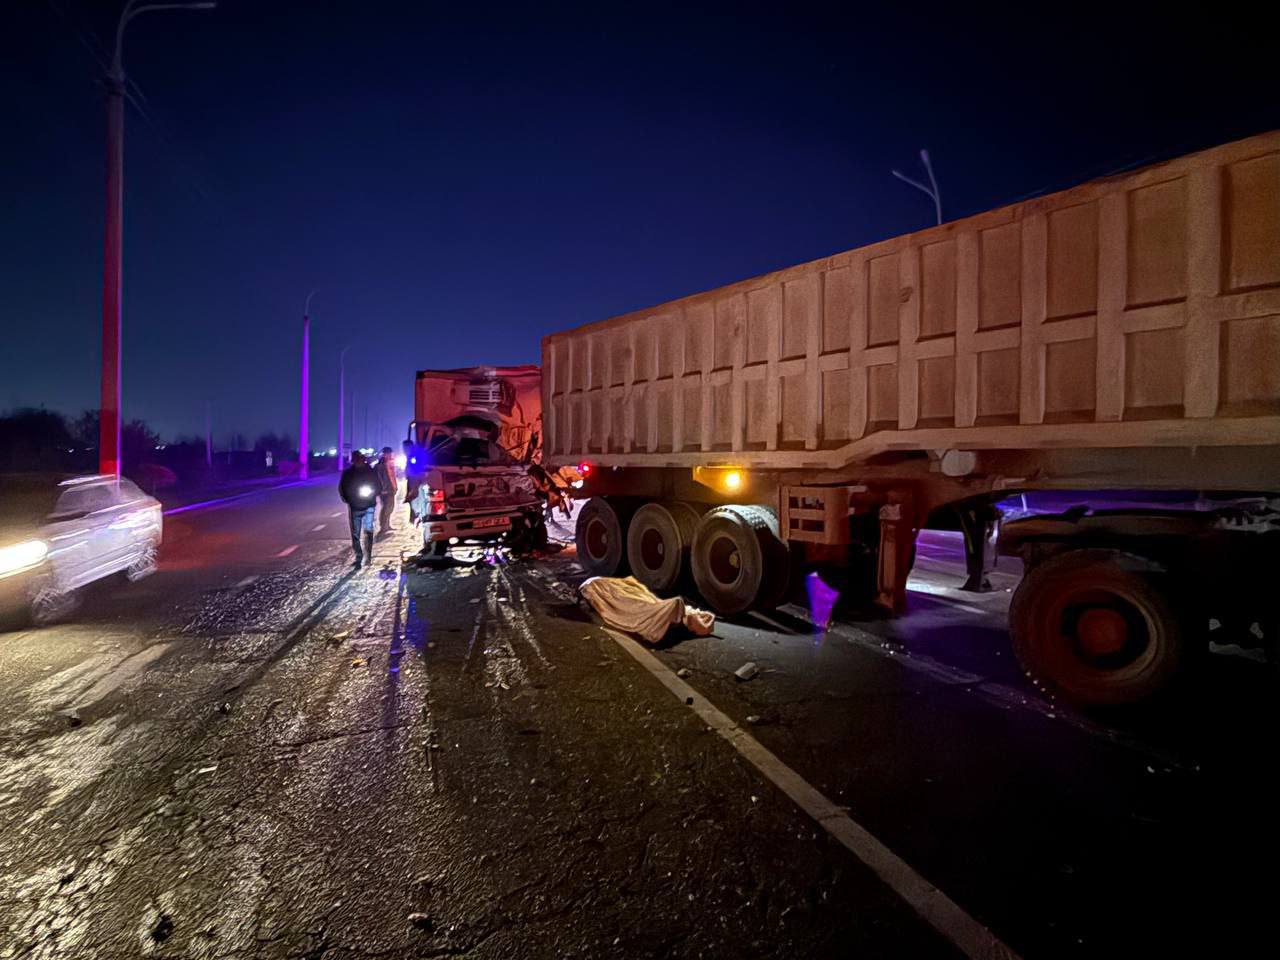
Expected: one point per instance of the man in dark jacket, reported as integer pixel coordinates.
(358, 489)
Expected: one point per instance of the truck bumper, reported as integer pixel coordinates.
(465, 528)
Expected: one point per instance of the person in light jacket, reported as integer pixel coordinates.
(387, 486)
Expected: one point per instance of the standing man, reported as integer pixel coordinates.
(387, 486)
(358, 489)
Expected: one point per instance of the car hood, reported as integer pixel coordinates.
(15, 530)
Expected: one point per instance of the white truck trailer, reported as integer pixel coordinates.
(1122, 334)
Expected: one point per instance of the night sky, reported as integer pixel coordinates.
(457, 180)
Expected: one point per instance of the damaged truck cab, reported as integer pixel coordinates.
(472, 439)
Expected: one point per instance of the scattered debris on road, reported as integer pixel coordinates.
(747, 671)
(422, 921)
(684, 673)
(162, 929)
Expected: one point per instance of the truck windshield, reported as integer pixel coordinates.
(463, 449)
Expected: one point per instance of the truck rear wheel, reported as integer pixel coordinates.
(601, 538)
(658, 541)
(1094, 629)
(738, 560)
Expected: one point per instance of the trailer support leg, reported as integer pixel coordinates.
(897, 537)
(978, 524)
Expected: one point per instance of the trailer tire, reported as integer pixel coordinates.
(601, 537)
(736, 558)
(777, 559)
(658, 541)
(1098, 628)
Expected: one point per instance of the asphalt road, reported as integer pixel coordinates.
(258, 753)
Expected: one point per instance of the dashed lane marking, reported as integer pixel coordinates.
(934, 907)
(246, 581)
(317, 528)
(334, 516)
(287, 550)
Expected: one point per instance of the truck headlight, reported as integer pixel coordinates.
(22, 556)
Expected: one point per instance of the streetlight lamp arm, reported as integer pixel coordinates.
(915, 183)
(132, 10)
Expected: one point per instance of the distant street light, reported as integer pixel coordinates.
(304, 451)
(930, 191)
(342, 403)
(113, 252)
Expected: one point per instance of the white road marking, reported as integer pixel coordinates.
(317, 528)
(935, 907)
(287, 550)
(334, 516)
(246, 581)
(945, 593)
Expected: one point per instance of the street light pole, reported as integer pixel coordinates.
(304, 452)
(931, 191)
(113, 240)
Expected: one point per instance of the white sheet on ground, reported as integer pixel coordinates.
(627, 604)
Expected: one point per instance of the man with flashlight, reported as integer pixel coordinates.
(358, 489)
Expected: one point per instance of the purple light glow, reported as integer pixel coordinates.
(822, 600)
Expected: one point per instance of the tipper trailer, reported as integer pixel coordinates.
(1120, 335)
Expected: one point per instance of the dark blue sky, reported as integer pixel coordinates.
(458, 180)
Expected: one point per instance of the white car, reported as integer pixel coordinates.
(58, 535)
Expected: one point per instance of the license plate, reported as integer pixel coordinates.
(491, 522)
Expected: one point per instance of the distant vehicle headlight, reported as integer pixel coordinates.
(365, 491)
(22, 556)
(401, 460)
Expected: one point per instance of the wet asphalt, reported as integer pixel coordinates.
(260, 753)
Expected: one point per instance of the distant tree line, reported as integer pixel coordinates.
(34, 439)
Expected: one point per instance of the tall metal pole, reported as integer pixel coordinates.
(113, 241)
(208, 434)
(304, 449)
(109, 415)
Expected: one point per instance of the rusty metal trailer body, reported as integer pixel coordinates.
(1124, 333)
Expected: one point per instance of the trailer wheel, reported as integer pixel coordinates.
(601, 538)
(1095, 627)
(658, 541)
(777, 558)
(736, 558)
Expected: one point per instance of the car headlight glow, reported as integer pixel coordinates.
(365, 490)
(401, 460)
(21, 556)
